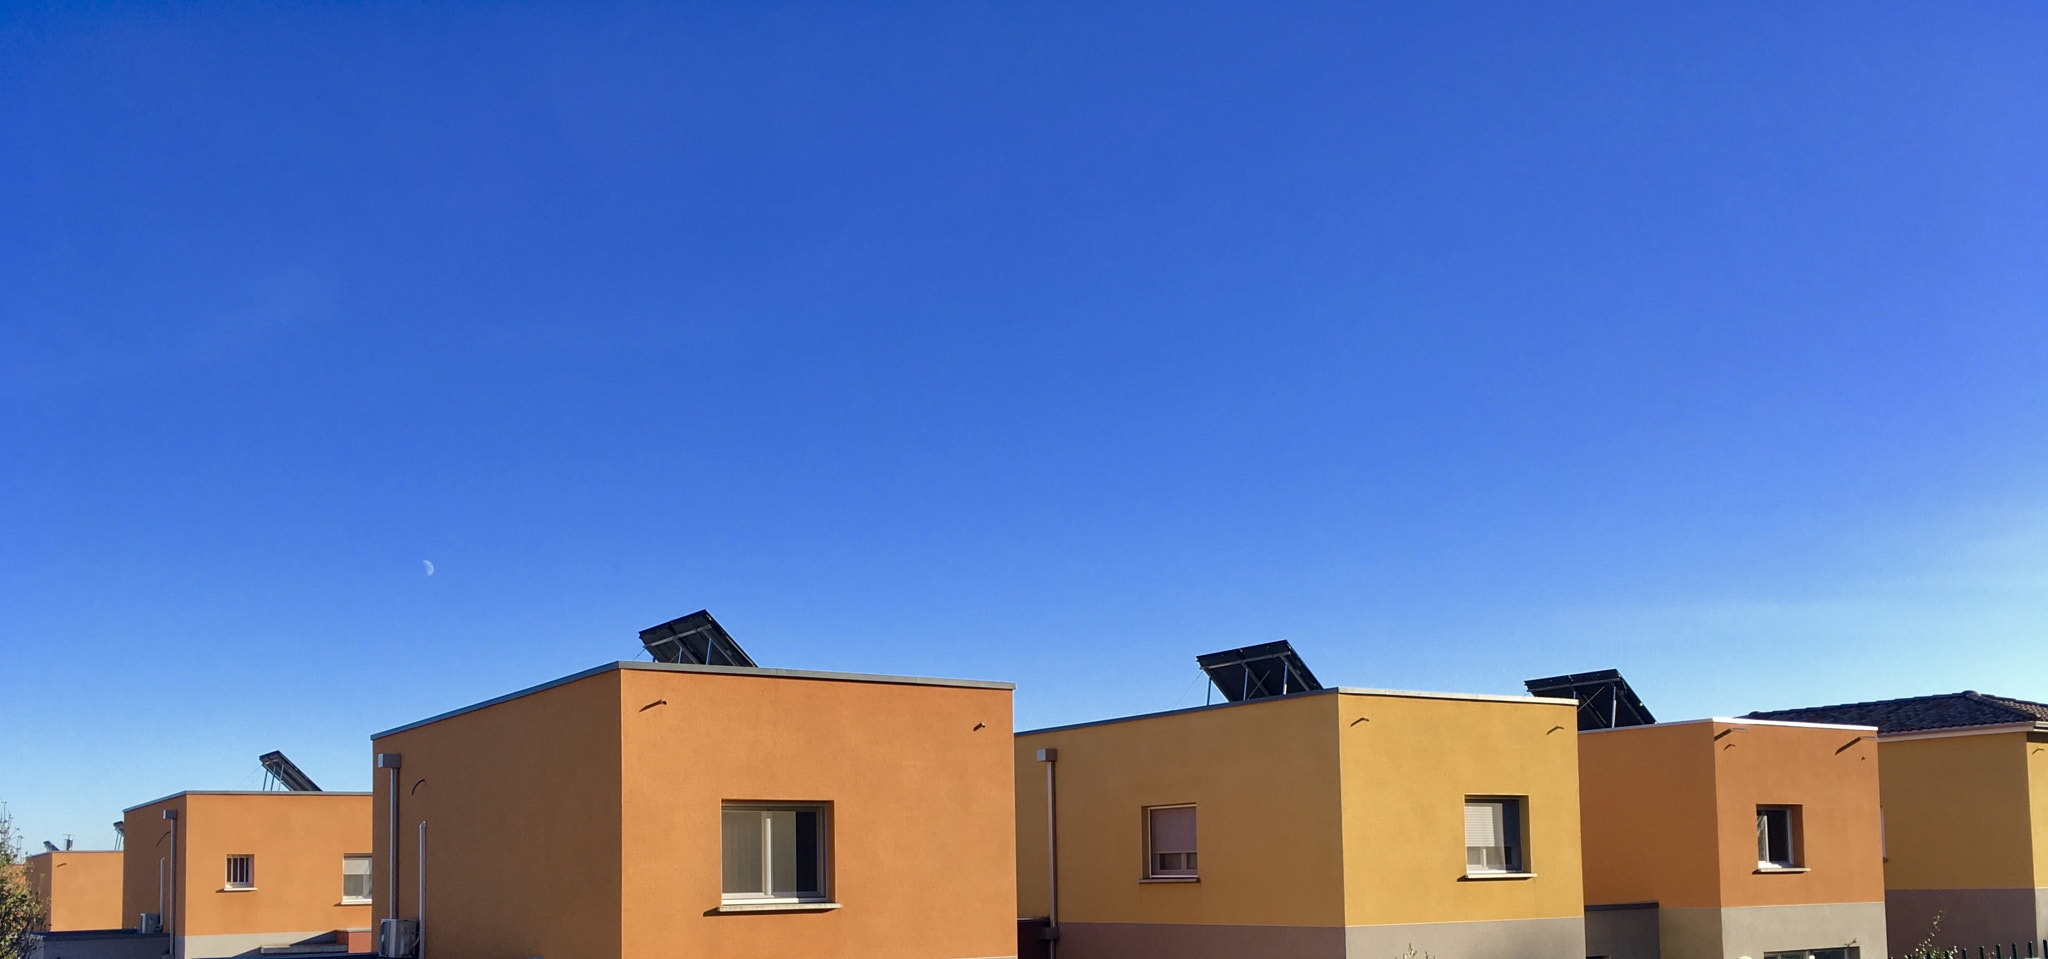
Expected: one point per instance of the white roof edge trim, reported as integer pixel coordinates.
(1474, 697)
(2018, 727)
(1325, 691)
(244, 792)
(1738, 721)
(1732, 721)
(753, 671)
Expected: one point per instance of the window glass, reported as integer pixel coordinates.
(1493, 835)
(774, 852)
(1171, 841)
(355, 878)
(744, 843)
(782, 851)
(241, 872)
(1776, 842)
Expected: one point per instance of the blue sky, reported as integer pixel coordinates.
(1052, 343)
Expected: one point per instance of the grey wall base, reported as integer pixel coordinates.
(1969, 917)
(1561, 938)
(1748, 932)
(1623, 932)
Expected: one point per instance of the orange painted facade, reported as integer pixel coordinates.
(78, 889)
(1670, 813)
(1671, 817)
(582, 819)
(296, 843)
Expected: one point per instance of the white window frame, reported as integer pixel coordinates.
(1190, 868)
(248, 864)
(1794, 854)
(823, 894)
(1514, 843)
(368, 871)
(1851, 952)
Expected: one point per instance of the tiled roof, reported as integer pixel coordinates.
(1946, 711)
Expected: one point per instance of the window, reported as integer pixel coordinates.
(1838, 952)
(355, 878)
(774, 853)
(1170, 842)
(241, 872)
(1777, 837)
(1493, 836)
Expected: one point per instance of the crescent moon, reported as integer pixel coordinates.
(429, 564)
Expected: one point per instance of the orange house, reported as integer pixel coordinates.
(1965, 814)
(1726, 838)
(78, 890)
(227, 873)
(650, 810)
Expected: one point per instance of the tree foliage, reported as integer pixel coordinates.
(20, 913)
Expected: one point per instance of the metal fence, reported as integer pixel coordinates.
(2005, 950)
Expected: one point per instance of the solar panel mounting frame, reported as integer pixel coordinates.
(697, 639)
(1258, 671)
(1605, 699)
(287, 773)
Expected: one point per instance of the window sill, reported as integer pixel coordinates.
(1491, 876)
(355, 902)
(238, 889)
(777, 906)
(1763, 870)
(1171, 879)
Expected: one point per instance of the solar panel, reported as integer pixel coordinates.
(696, 638)
(1255, 672)
(287, 773)
(1605, 701)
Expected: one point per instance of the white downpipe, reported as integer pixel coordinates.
(420, 890)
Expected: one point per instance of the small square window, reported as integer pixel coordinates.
(1170, 842)
(355, 878)
(774, 853)
(1493, 835)
(241, 872)
(1777, 837)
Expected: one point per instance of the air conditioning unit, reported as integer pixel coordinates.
(398, 938)
(150, 923)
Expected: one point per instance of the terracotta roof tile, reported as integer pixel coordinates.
(1945, 711)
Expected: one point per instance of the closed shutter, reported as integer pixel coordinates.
(1483, 825)
(1173, 829)
(1486, 836)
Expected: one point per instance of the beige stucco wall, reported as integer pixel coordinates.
(1264, 780)
(918, 780)
(1832, 775)
(522, 805)
(1958, 812)
(582, 820)
(298, 841)
(79, 889)
(1409, 762)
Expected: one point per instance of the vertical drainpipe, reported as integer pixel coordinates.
(1051, 758)
(390, 762)
(170, 912)
(420, 890)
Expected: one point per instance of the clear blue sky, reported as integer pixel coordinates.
(1053, 343)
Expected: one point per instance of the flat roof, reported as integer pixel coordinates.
(747, 671)
(242, 792)
(1335, 690)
